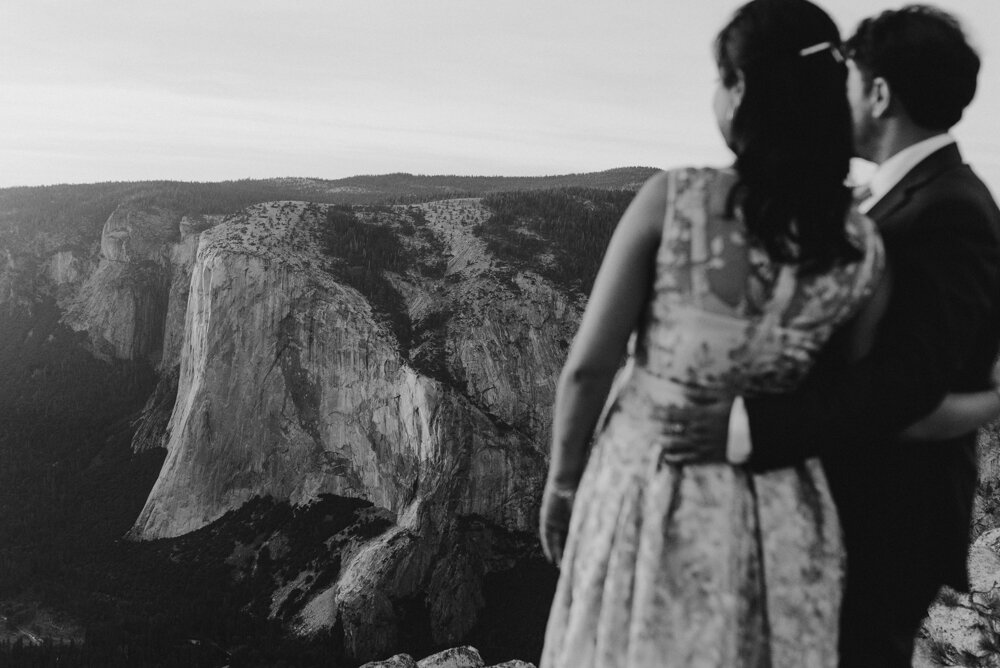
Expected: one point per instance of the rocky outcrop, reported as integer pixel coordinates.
(68, 267)
(963, 629)
(182, 256)
(506, 341)
(291, 386)
(121, 305)
(152, 431)
(26, 272)
(458, 657)
(986, 512)
(397, 661)
(130, 299)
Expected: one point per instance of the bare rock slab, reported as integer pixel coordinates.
(457, 657)
(398, 661)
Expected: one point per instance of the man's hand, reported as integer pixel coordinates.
(698, 432)
(553, 521)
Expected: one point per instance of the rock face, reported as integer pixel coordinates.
(122, 304)
(291, 385)
(986, 513)
(458, 657)
(964, 629)
(397, 661)
(132, 300)
(131, 297)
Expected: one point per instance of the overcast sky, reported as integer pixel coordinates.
(98, 90)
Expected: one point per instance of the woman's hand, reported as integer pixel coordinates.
(553, 520)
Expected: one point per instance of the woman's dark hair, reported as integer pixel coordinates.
(924, 55)
(792, 131)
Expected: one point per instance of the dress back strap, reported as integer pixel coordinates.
(669, 218)
(699, 254)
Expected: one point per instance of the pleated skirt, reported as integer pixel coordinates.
(695, 566)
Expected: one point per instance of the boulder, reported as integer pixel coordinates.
(398, 661)
(457, 657)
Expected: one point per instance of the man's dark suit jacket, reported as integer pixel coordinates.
(905, 507)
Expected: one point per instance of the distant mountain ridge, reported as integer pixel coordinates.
(411, 185)
(362, 189)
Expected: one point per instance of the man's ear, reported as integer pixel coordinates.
(738, 89)
(880, 96)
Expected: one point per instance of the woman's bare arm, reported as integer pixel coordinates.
(616, 302)
(619, 295)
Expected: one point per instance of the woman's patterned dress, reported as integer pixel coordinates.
(707, 564)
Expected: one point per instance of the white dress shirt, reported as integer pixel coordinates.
(892, 171)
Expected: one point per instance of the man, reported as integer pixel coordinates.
(904, 506)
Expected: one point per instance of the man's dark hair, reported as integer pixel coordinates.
(926, 59)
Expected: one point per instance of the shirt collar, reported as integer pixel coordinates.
(892, 171)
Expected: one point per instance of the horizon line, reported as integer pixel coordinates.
(326, 179)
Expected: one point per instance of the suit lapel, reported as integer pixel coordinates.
(926, 170)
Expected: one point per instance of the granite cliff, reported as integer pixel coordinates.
(401, 356)
(292, 385)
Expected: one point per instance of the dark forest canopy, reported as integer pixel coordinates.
(562, 233)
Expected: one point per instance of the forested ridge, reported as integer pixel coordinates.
(64, 205)
(562, 233)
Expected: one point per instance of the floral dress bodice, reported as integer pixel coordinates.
(722, 317)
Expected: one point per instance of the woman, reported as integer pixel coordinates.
(731, 282)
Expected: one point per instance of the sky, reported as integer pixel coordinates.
(101, 90)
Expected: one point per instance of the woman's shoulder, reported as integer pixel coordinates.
(681, 183)
(703, 173)
(668, 192)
